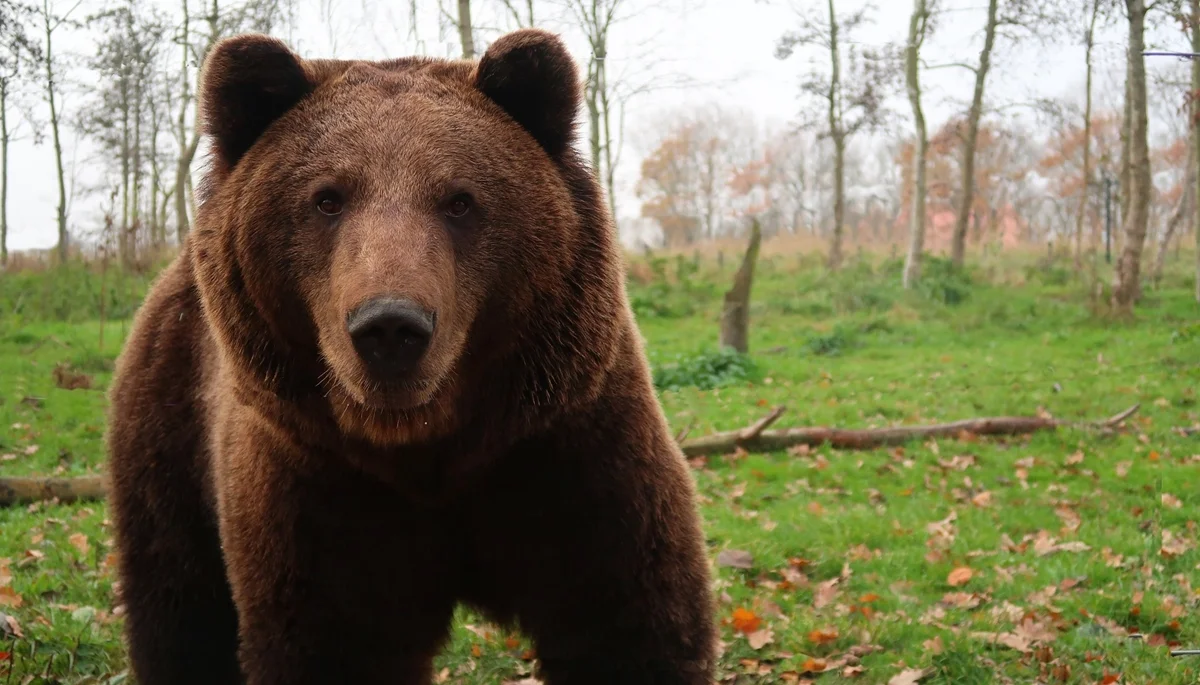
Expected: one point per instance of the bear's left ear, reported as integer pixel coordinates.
(247, 83)
(530, 74)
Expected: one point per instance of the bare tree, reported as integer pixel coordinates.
(51, 23)
(19, 57)
(852, 104)
(1193, 24)
(918, 27)
(966, 200)
(1137, 213)
(1089, 38)
(521, 11)
(466, 30)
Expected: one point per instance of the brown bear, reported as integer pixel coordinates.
(394, 370)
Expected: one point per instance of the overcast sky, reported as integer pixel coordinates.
(725, 48)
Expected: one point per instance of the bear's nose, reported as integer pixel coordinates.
(390, 334)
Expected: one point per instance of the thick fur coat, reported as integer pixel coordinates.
(286, 512)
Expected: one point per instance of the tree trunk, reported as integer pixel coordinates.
(963, 220)
(465, 30)
(1182, 209)
(1123, 181)
(61, 210)
(3, 174)
(123, 229)
(606, 114)
(1126, 280)
(912, 67)
(593, 107)
(1195, 129)
(839, 144)
(1080, 217)
(735, 316)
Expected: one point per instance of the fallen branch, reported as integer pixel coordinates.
(755, 438)
(23, 490)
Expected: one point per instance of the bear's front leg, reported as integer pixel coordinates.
(334, 581)
(599, 555)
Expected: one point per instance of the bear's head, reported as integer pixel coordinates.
(414, 242)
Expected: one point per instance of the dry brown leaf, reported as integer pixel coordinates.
(1070, 520)
(735, 558)
(1171, 501)
(983, 499)
(1123, 468)
(934, 646)
(825, 594)
(5, 573)
(1173, 546)
(960, 576)
(1075, 459)
(821, 637)
(910, 676)
(10, 598)
(760, 638)
(853, 671)
(961, 600)
(9, 627)
(80, 542)
(1010, 640)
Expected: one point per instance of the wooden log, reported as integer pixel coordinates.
(21, 490)
(755, 439)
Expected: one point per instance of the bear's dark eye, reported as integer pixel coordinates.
(329, 203)
(458, 206)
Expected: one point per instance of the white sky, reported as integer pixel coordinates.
(726, 47)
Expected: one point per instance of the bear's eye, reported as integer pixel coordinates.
(458, 206)
(329, 203)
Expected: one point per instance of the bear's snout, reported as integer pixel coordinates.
(390, 335)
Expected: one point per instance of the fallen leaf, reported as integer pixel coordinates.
(1075, 458)
(821, 637)
(813, 666)
(934, 646)
(80, 542)
(9, 626)
(735, 558)
(5, 573)
(825, 594)
(31, 450)
(910, 676)
(1010, 640)
(853, 671)
(1171, 501)
(983, 499)
(10, 598)
(745, 621)
(1070, 520)
(1123, 468)
(442, 676)
(961, 600)
(760, 638)
(960, 576)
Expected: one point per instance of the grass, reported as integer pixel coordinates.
(847, 566)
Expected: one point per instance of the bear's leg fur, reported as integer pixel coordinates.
(336, 579)
(598, 556)
(180, 624)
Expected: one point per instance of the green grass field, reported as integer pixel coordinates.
(1026, 559)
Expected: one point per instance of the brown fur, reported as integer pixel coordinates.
(283, 518)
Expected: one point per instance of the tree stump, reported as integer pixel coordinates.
(735, 316)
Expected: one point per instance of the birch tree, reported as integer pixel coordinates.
(51, 23)
(918, 29)
(19, 57)
(1126, 279)
(852, 103)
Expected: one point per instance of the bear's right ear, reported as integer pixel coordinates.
(247, 83)
(531, 75)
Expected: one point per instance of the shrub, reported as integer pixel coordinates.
(705, 370)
